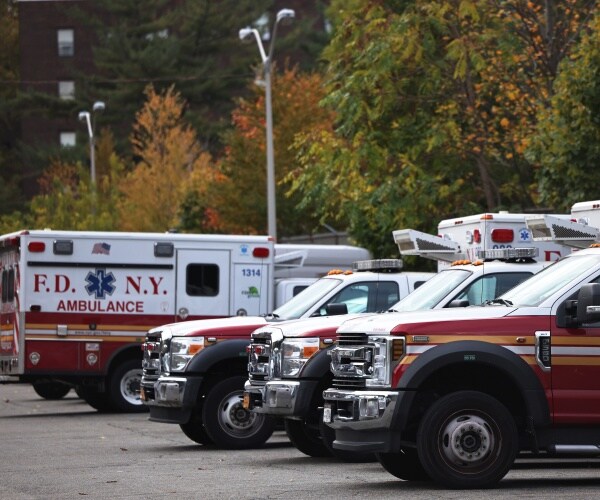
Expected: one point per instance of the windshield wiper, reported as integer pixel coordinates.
(502, 302)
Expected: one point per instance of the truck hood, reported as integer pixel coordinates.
(222, 327)
(313, 327)
(389, 322)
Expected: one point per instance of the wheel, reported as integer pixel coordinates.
(194, 429)
(124, 387)
(306, 438)
(96, 399)
(328, 437)
(51, 390)
(467, 439)
(404, 465)
(228, 423)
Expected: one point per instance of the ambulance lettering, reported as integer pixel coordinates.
(134, 284)
(60, 283)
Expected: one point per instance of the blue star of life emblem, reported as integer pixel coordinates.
(100, 283)
(525, 235)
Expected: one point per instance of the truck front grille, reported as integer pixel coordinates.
(263, 354)
(151, 360)
(351, 361)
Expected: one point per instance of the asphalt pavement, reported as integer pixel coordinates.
(66, 450)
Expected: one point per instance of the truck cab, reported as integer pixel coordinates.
(194, 371)
(288, 364)
(454, 395)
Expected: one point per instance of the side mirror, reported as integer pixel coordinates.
(588, 304)
(459, 303)
(336, 309)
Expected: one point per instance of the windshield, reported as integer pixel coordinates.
(548, 281)
(297, 306)
(430, 293)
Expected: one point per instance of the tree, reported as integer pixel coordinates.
(193, 44)
(242, 205)
(67, 200)
(10, 189)
(435, 102)
(567, 142)
(168, 154)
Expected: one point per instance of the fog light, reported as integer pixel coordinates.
(368, 408)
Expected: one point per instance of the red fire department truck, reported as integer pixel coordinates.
(453, 395)
(289, 363)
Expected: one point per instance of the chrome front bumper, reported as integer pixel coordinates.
(170, 399)
(362, 420)
(286, 398)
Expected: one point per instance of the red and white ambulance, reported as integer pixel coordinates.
(76, 305)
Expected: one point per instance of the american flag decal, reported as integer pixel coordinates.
(102, 248)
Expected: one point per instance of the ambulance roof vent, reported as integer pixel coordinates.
(412, 242)
(560, 230)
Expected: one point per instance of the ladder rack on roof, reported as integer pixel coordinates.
(413, 242)
(563, 231)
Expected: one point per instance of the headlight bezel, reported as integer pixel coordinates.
(180, 351)
(295, 353)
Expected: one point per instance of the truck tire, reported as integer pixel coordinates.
(228, 423)
(96, 399)
(194, 429)
(307, 439)
(328, 437)
(404, 465)
(124, 387)
(51, 390)
(467, 439)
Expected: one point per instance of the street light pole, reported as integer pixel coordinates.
(245, 34)
(89, 119)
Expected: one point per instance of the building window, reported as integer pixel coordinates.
(66, 90)
(67, 139)
(66, 43)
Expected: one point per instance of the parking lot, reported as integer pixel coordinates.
(65, 450)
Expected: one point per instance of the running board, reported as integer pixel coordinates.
(575, 449)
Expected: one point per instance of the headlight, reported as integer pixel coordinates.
(181, 350)
(296, 353)
(387, 351)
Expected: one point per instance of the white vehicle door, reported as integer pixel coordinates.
(202, 284)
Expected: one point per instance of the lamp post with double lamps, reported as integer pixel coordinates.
(284, 15)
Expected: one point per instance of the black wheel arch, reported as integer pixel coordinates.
(503, 369)
(317, 367)
(228, 351)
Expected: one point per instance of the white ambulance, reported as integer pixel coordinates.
(462, 238)
(75, 306)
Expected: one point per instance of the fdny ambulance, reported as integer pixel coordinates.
(76, 305)
(462, 238)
